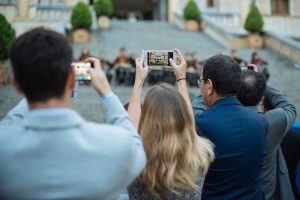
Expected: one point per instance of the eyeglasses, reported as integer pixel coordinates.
(199, 83)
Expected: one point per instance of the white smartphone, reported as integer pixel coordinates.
(158, 58)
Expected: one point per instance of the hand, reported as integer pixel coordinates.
(98, 77)
(142, 71)
(179, 69)
(255, 67)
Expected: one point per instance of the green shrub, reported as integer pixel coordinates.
(254, 21)
(7, 36)
(103, 7)
(81, 16)
(191, 11)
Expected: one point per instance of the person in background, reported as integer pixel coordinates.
(261, 64)
(121, 63)
(194, 60)
(131, 60)
(178, 159)
(274, 175)
(234, 55)
(237, 132)
(47, 150)
(189, 61)
(106, 66)
(84, 54)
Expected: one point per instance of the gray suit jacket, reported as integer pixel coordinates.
(62, 156)
(274, 176)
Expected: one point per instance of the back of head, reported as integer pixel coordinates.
(252, 88)
(224, 72)
(41, 61)
(174, 152)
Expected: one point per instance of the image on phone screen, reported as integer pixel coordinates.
(81, 70)
(159, 58)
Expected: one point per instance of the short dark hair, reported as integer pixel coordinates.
(225, 74)
(252, 89)
(41, 61)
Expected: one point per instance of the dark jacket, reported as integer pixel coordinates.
(274, 176)
(239, 136)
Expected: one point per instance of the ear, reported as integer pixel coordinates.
(210, 87)
(71, 80)
(16, 85)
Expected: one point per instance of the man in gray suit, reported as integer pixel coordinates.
(47, 150)
(274, 176)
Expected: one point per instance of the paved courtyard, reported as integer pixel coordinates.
(158, 35)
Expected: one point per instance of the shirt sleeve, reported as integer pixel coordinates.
(117, 115)
(16, 115)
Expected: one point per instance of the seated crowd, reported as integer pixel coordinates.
(223, 145)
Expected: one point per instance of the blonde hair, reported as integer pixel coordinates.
(176, 155)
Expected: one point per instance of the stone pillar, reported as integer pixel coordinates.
(170, 11)
(297, 8)
(23, 9)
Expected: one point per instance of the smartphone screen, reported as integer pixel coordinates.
(159, 58)
(81, 70)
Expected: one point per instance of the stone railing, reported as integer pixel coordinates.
(283, 45)
(9, 11)
(228, 20)
(53, 12)
(223, 19)
(284, 25)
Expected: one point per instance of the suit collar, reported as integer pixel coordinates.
(60, 120)
(226, 101)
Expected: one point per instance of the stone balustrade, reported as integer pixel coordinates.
(284, 25)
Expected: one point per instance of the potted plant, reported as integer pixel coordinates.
(254, 25)
(191, 15)
(7, 37)
(81, 20)
(104, 9)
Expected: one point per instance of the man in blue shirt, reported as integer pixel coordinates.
(47, 150)
(237, 132)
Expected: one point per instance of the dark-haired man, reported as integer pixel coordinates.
(47, 150)
(274, 176)
(237, 132)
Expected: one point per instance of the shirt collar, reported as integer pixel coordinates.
(52, 119)
(226, 101)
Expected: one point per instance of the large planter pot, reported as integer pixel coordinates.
(81, 36)
(191, 25)
(104, 22)
(3, 73)
(255, 40)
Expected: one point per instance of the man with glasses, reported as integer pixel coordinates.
(237, 132)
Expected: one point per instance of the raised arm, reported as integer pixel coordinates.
(116, 115)
(134, 108)
(180, 74)
(281, 104)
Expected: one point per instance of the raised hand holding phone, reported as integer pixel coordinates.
(141, 70)
(98, 77)
(180, 68)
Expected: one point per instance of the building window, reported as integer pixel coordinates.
(210, 3)
(280, 7)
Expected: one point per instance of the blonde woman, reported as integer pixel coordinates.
(177, 158)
